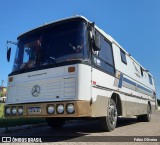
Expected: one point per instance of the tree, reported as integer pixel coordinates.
(2, 94)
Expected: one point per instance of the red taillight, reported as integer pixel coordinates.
(94, 82)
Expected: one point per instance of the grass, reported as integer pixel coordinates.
(10, 122)
(1, 110)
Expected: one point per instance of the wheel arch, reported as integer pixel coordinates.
(149, 103)
(118, 102)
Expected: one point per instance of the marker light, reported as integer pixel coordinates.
(8, 110)
(50, 109)
(20, 110)
(10, 79)
(70, 108)
(60, 109)
(14, 111)
(71, 69)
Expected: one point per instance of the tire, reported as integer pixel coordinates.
(145, 117)
(55, 122)
(140, 118)
(109, 122)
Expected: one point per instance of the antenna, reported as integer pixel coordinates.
(11, 42)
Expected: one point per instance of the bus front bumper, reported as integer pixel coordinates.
(50, 109)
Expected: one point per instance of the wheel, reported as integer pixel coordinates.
(55, 122)
(140, 118)
(109, 122)
(145, 117)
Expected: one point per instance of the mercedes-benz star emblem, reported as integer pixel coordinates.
(35, 90)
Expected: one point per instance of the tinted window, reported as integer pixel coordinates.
(123, 57)
(106, 51)
(150, 79)
(141, 71)
(104, 58)
(55, 44)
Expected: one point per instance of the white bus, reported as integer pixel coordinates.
(71, 69)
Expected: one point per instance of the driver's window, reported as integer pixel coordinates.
(30, 54)
(26, 54)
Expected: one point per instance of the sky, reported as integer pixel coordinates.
(134, 24)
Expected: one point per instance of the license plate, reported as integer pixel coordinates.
(34, 110)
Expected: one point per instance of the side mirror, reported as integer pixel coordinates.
(8, 54)
(95, 37)
(97, 42)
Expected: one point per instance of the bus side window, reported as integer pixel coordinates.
(141, 71)
(106, 51)
(150, 79)
(106, 56)
(123, 57)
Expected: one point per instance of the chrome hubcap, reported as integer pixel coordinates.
(112, 114)
(149, 112)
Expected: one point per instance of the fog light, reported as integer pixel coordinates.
(20, 110)
(8, 110)
(70, 108)
(50, 109)
(60, 109)
(14, 110)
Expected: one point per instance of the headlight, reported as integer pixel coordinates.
(60, 109)
(14, 110)
(8, 110)
(20, 110)
(50, 109)
(70, 108)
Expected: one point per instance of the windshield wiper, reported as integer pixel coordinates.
(49, 60)
(71, 59)
(28, 65)
(52, 58)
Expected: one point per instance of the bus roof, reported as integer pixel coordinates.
(111, 39)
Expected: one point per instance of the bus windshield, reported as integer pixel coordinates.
(55, 44)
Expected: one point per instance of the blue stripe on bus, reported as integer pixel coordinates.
(129, 81)
(134, 84)
(141, 87)
(120, 81)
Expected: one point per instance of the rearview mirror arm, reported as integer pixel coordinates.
(9, 49)
(11, 42)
